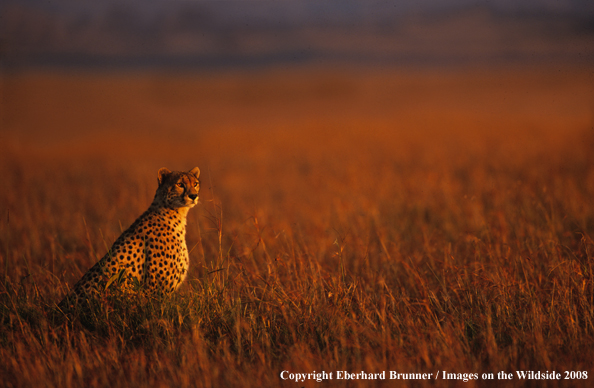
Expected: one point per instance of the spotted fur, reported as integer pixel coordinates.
(152, 252)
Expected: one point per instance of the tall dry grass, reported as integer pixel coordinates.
(351, 220)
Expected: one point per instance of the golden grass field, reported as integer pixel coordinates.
(416, 221)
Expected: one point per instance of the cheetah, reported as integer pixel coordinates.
(152, 252)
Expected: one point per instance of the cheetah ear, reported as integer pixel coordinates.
(195, 171)
(163, 172)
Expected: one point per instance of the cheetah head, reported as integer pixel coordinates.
(178, 188)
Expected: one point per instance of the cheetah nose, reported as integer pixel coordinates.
(193, 196)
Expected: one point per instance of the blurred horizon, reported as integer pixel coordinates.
(213, 34)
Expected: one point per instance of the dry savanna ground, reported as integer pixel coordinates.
(415, 221)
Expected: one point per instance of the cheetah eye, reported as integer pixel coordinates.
(179, 184)
(195, 184)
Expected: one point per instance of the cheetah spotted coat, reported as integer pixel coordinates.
(152, 252)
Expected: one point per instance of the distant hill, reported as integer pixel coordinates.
(217, 33)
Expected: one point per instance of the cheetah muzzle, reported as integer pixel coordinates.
(152, 252)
